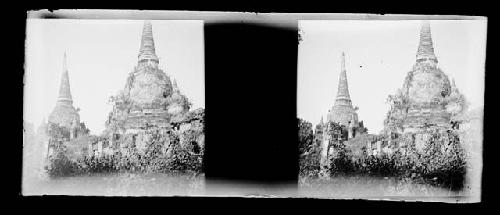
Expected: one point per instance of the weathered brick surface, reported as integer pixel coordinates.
(150, 97)
(427, 98)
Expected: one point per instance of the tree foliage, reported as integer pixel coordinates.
(309, 150)
(305, 136)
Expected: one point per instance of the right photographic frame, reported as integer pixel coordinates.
(391, 109)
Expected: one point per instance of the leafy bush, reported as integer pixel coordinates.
(59, 164)
(309, 151)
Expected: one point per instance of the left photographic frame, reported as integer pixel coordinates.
(113, 107)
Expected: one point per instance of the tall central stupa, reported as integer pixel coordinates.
(427, 98)
(150, 97)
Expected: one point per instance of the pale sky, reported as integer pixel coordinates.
(100, 55)
(379, 54)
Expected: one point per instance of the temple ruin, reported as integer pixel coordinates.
(427, 100)
(63, 125)
(343, 114)
(150, 127)
(64, 113)
(150, 97)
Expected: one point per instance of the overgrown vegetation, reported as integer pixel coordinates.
(156, 151)
(442, 162)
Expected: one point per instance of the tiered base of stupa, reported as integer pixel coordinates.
(138, 121)
(419, 119)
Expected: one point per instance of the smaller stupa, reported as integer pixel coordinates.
(343, 112)
(64, 114)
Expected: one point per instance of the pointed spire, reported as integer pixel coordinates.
(64, 88)
(176, 89)
(342, 67)
(425, 48)
(65, 64)
(454, 89)
(343, 88)
(321, 121)
(147, 50)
